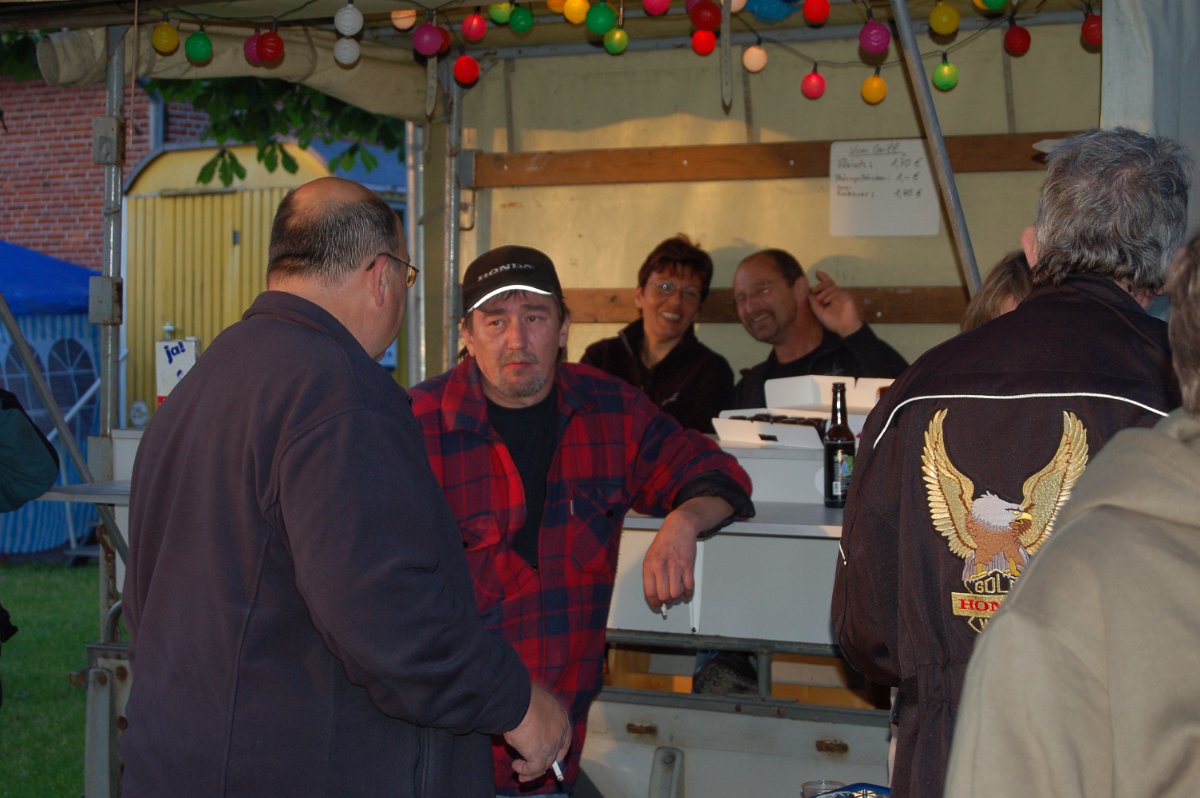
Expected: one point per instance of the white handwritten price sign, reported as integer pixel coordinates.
(881, 188)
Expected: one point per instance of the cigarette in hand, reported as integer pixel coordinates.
(558, 774)
(663, 610)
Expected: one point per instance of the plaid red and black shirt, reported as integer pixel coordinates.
(615, 451)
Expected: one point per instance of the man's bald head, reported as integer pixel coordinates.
(328, 228)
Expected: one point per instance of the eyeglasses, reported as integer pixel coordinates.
(411, 278)
(667, 289)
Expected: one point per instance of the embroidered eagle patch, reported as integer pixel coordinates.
(996, 537)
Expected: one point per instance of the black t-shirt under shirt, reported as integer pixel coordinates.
(529, 433)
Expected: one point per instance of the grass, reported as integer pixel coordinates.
(42, 720)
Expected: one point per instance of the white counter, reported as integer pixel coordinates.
(768, 578)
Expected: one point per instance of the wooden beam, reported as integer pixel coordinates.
(939, 304)
(790, 159)
(878, 305)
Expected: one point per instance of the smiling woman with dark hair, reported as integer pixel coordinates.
(659, 352)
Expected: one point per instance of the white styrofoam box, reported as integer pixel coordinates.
(799, 397)
(732, 429)
(814, 392)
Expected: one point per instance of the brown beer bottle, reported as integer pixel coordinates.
(839, 451)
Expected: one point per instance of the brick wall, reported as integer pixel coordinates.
(51, 194)
(184, 123)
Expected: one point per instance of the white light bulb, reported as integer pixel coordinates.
(346, 52)
(754, 58)
(348, 20)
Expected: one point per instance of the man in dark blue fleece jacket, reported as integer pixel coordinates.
(302, 619)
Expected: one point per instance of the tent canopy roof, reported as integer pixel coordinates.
(246, 14)
(37, 284)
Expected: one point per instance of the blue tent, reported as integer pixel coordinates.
(49, 297)
(37, 284)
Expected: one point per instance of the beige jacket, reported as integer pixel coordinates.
(1087, 681)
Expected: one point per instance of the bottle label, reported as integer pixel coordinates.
(844, 465)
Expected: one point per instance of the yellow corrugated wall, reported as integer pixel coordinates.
(195, 259)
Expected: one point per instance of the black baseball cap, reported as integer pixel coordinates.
(509, 268)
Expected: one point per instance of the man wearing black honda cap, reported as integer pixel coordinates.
(540, 460)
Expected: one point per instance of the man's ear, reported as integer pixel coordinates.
(562, 333)
(801, 289)
(377, 282)
(1029, 244)
(464, 336)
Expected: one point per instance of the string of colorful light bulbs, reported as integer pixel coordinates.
(265, 48)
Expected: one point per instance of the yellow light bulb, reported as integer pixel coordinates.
(874, 89)
(575, 11)
(165, 38)
(404, 18)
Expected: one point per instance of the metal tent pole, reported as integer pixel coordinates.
(414, 175)
(937, 144)
(104, 294)
(112, 157)
(451, 291)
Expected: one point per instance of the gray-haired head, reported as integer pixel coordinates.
(328, 228)
(1114, 205)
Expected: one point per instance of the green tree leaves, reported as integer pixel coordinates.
(267, 112)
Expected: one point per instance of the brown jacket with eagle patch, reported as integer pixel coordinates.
(961, 471)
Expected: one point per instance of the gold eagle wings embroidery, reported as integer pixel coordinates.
(988, 532)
